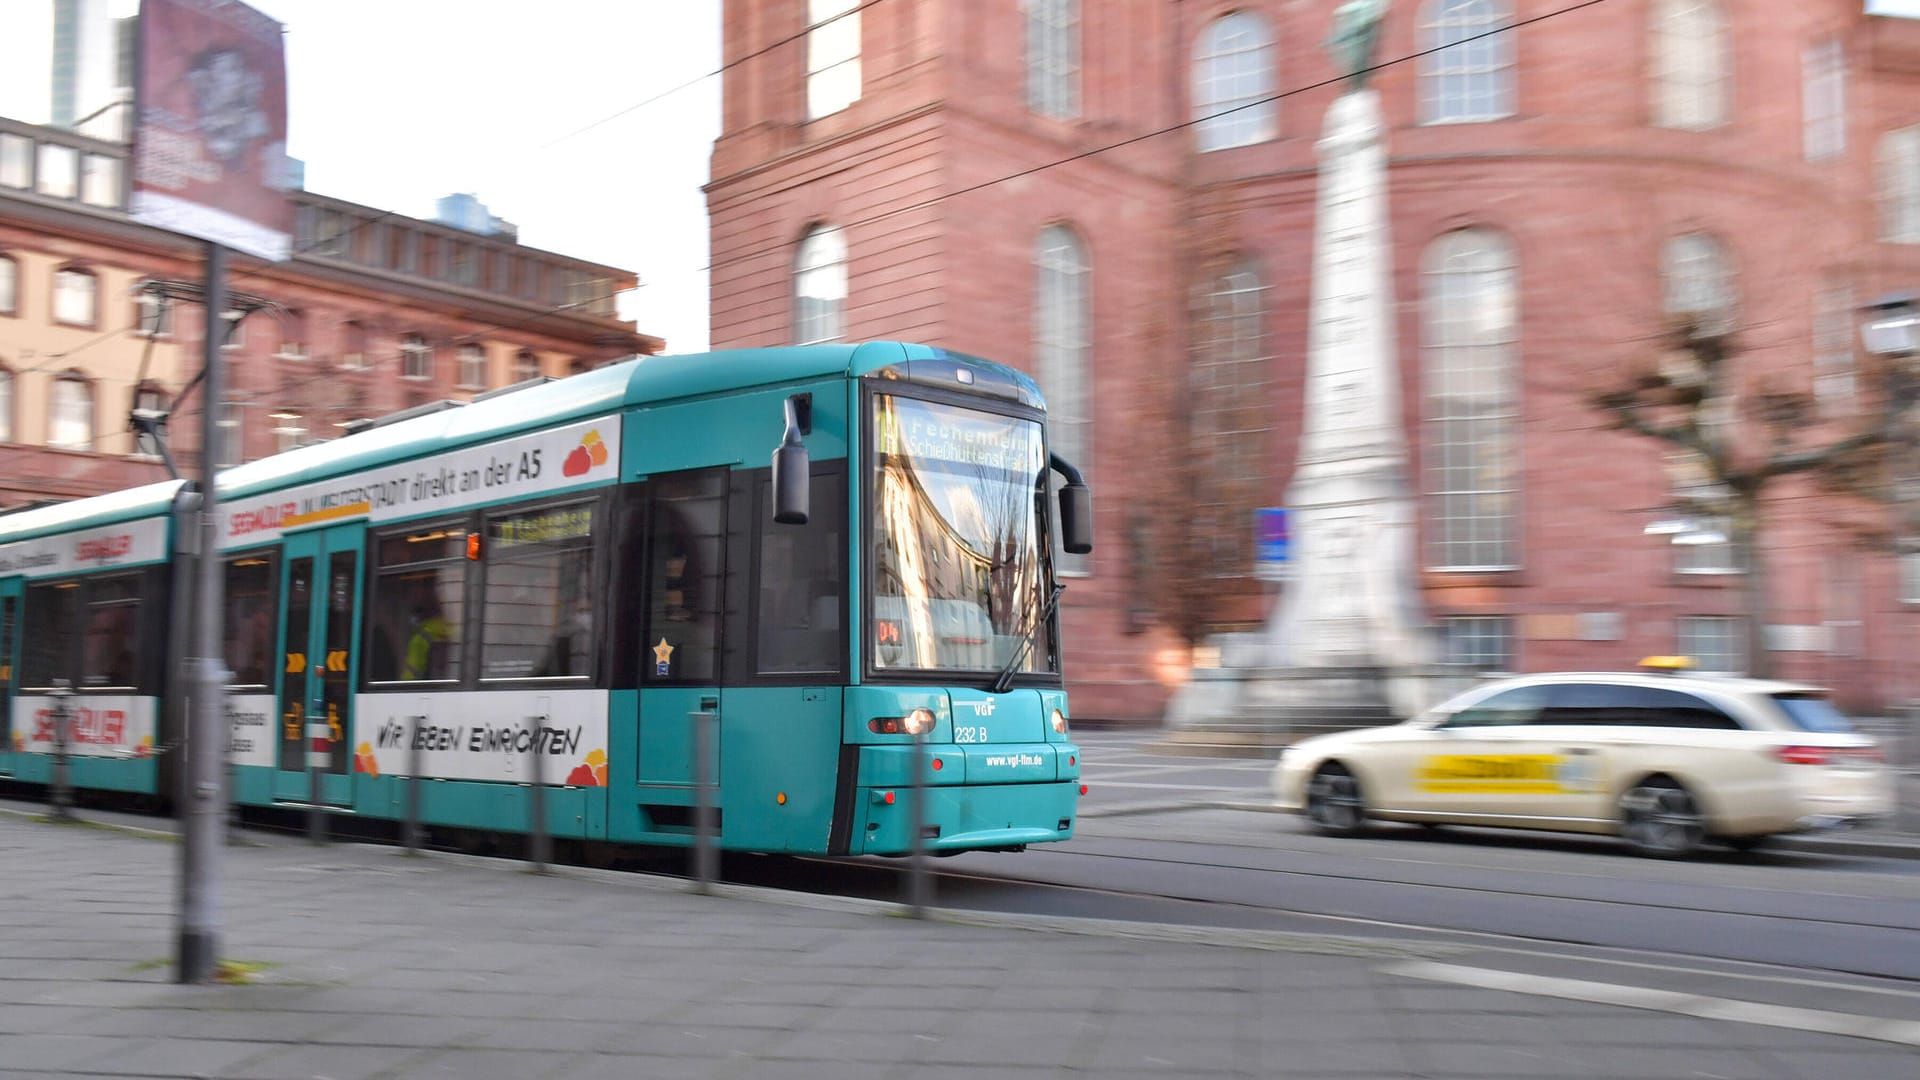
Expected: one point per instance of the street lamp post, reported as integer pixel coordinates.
(1890, 331)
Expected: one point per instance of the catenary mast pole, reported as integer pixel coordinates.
(204, 803)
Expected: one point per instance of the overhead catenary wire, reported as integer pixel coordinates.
(476, 333)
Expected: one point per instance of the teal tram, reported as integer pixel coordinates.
(825, 553)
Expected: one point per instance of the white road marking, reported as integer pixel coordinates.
(1881, 1029)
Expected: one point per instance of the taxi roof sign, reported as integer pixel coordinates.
(1667, 663)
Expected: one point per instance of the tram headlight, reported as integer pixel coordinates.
(1059, 721)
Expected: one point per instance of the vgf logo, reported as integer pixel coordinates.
(980, 708)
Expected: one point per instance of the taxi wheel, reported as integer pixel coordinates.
(1658, 817)
(1334, 803)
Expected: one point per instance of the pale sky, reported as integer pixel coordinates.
(395, 103)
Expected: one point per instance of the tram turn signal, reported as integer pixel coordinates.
(1059, 722)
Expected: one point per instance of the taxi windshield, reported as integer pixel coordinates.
(1809, 712)
(958, 539)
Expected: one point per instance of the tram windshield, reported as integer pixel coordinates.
(958, 538)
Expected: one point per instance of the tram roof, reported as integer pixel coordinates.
(644, 381)
(130, 504)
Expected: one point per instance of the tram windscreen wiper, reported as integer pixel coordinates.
(1005, 678)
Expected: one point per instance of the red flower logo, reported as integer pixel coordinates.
(589, 453)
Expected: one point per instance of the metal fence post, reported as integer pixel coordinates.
(919, 888)
(411, 831)
(705, 860)
(317, 735)
(228, 770)
(541, 845)
(61, 797)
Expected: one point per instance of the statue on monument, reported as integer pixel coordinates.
(1356, 28)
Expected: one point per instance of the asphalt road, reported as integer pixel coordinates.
(1153, 846)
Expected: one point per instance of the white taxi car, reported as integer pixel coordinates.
(1666, 761)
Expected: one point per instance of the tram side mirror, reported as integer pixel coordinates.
(1076, 519)
(1076, 507)
(792, 471)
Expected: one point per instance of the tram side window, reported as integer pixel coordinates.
(413, 623)
(686, 566)
(51, 620)
(537, 615)
(801, 583)
(248, 621)
(112, 636)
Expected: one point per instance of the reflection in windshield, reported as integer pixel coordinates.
(957, 537)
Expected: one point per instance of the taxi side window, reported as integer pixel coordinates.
(1520, 705)
(1617, 705)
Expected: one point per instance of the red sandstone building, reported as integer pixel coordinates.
(374, 313)
(1118, 197)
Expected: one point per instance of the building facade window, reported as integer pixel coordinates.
(289, 430)
(833, 56)
(1053, 58)
(1900, 186)
(1715, 642)
(70, 413)
(16, 161)
(1229, 409)
(58, 173)
(1697, 280)
(820, 286)
(1470, 368)
(473, 367)
(236, 330)
(525, 366)
(1823, 99)
(75, 297)
(416, 357)
(9, 286)
(100, 180)
(147, 399)
(1690, 60)
(152, 315)
(229, 446)
(353, 346)
(1061, 348)
(1233, 79)
(1710, 548)
(1479, 643)
(1470, 78)
(293, 335)
(6, 406)
(1833, 330)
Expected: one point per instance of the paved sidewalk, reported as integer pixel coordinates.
(373, 964)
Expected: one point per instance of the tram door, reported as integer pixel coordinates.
(321, 586)
(9, 648)
(680, 659)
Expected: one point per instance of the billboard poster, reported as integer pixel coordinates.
(209, 153)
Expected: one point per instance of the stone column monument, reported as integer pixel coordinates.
(1346, 644)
